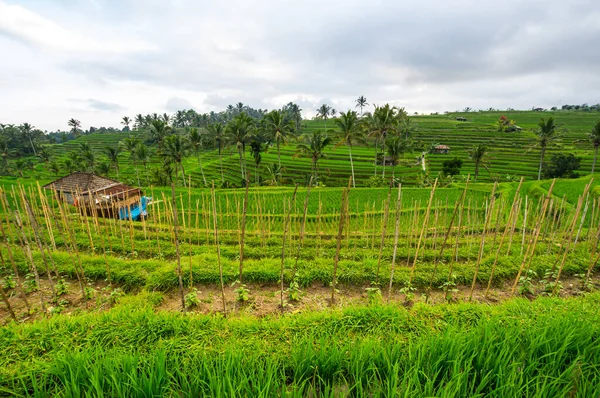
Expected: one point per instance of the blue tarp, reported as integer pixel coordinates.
(137, 211)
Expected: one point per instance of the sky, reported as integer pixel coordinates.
(100, 60)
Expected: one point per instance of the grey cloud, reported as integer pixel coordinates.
(177, 103)
(102, 105)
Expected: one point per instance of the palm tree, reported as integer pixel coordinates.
(131, 144)
(5, 151)
(44, 155)
(126, 121)
(112, 154)
(89, 159)
(323, 112)
(69, 165)
(27, 130)
(240, 131)
(275, 171)
(278, 129)
(173, 152)
(75, 127)
(217, 131)
(195, 140)
(594, 139)
(479, 155)
(547, 134)
(350, 130)
(314, 145)
(103, 169)
(396, 147)
(361, 102)
(142, 154)
(54, 167)
(158, 130)
(140, 122)
(256, 149)
(166, 118)
(385, 119)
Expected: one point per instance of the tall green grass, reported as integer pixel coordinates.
(545, 348)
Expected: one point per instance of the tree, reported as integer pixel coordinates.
(27, 130)
(89, 159)
(112, 153)
(278, 129)
(562, 166)
(594, 139)
(350, 129)
(195, 140)
(314, 145)
(217, 131)
(451, 167)
(396, 147)
(140, 122)
(275, 172)
(142, 154)
(547, 134)
(125, 122)
(478, 155)
(103, 169)
(44, 155)
(384, 120)
(239, 130)
(173, 151)
(69, 165)
(158, 130)
(257, 147)
(75, 127)
(323, 112)
(54, 167)
(361, 102)
(130, 144)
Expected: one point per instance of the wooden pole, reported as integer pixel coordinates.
(243, 232)
(302, 229)
(176, 236)
(398, 209)
(383, 230)
(336, 259)
(216, 233)
(425, 222)
(286, 224)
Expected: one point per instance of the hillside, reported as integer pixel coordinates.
(511, 154)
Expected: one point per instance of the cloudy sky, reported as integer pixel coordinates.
(99, 60)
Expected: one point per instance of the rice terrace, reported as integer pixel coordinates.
(197, 201)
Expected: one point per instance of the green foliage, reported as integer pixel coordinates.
(9, 282)
(451, 167)
(525, 283)
(191, 299)
(562, 166)
(61, 287)
(242, 292)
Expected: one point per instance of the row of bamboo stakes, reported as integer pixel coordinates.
(30, 206)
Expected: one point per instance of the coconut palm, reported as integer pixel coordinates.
(547, 134)
(75, 127)
(478, 154)
(27, 131)
(323, 112)
(195, 140)
(5, 151)
(140, 122)
(314, 145)
(278, 129)
(350, 129)
(217, 132)
(361, 102)
(142, 155)
(257, 147)
(131, 144)
(594, 139)
(44, 155)
(88, 158)
(173, 151)
(275, 172)
(396, 148)
(69, 165)
(126, 121)
(54, 167)
(112, 153)
(103, 169)
(158, 130)
(166, 118)
(384, 120)
(239, 130)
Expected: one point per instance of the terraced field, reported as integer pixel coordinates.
(511, 154)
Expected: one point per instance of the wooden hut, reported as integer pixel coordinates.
(103, 196)
(442, 149)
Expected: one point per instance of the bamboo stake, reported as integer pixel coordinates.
(286, 224)
(8, 307)
(396, 233)
(176, 238)
(302, 229)
(343, 209)
(425, 222)
(383, 230)
(12, 261)
(216, 233)
(243, 233)
(524, 225)
(486, 224)
(459, 204)
(513, 214)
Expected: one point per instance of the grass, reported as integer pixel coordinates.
(520, 349)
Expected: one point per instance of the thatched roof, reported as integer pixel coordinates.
(87, 183)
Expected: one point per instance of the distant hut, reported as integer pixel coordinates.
(443, 149)
(103, 196)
